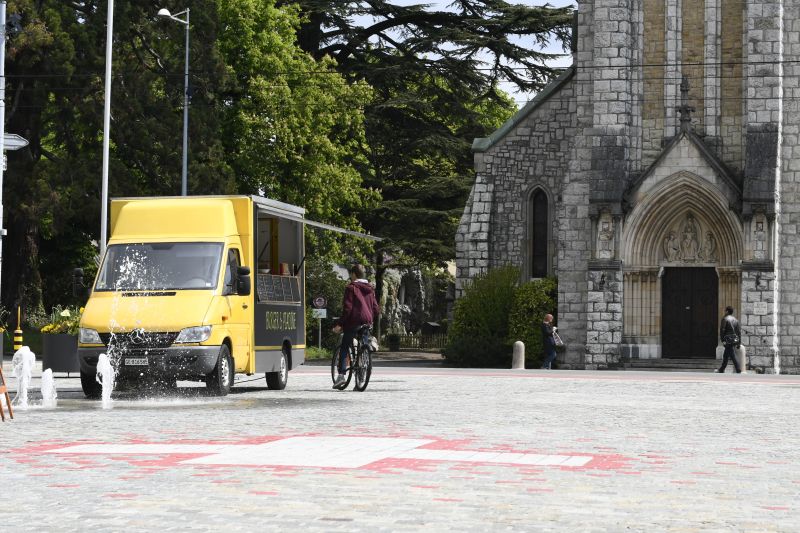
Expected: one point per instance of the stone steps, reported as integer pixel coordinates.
(673, 365)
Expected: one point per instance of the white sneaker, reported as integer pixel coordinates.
(339, 383)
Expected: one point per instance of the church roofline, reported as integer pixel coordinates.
(482, 144)
(718, 166)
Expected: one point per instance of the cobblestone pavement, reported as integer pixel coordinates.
(434, 449)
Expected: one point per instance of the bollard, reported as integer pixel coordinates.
(18, 333)
(518, 361)
(741, 356)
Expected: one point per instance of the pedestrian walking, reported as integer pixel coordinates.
(731, 337)
(548, 339)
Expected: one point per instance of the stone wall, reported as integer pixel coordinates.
(534, 154)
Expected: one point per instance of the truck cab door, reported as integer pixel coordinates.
(239, 317)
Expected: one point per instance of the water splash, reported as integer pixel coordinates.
(105, 377)
(22, 368)
(49, 392)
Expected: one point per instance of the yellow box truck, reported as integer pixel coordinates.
(198, 288)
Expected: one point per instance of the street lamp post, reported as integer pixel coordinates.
(163, 12)
(106, 129)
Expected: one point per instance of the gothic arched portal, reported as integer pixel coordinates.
(678, 236)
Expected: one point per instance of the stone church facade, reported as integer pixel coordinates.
(659, 180)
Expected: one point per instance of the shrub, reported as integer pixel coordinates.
(532, 301)
(478, 334)
(314, 353)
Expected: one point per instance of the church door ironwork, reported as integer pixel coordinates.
(689, 313)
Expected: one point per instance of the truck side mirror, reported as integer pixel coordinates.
(79, 290)
(243, 285)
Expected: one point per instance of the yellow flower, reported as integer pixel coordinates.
(81, 310)
(65, 312)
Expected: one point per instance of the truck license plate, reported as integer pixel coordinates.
(136, 361)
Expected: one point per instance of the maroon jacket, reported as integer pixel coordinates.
(359, 306)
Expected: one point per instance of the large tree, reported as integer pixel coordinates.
(255, 125)
(435, 74)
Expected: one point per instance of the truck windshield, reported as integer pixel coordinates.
(160, 266)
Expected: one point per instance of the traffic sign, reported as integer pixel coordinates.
(319, 302)
(319, 313)
(12, 141)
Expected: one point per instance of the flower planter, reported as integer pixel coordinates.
(60, 352)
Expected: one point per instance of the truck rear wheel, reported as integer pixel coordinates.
(277, 380)
(220, 379)
(91, 388)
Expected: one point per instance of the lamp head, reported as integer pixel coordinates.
(164, 12)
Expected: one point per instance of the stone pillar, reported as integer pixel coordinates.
(572, 211)
(763, 73)
(787, 249)
(756, 316)
(604, 317)
(472, 236)
(672, 73)
(713, 68)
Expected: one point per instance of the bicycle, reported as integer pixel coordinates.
(359, 359)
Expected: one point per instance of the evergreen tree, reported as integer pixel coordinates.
(435, 75)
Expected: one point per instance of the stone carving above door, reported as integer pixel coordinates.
(605, 237)
(689, 243)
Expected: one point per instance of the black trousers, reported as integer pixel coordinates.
(730, 352)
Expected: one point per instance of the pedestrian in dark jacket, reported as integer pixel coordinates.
(731, 337)
(549, 341)
(359, 308)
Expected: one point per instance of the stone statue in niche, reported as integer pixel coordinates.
(690, 245)
(710, 248)
(672, 251)
(605, 238)
(759, 239)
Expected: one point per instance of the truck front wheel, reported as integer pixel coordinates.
(277, 380)
(220, 379)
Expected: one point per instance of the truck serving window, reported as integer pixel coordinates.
(160, 266)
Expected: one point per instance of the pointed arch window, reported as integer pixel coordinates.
(539, 223)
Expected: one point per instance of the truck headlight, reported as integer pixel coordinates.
(195, 334)
(89, 336)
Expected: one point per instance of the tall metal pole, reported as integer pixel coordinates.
(106, 130)
(185, 111)
(2, 119)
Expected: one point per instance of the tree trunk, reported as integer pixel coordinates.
(380, 270)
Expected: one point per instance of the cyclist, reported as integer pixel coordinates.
(359, 307)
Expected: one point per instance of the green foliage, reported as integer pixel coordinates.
(316, 354)
(479, 333)
(322, 280)
(532, 301)
(265, 117)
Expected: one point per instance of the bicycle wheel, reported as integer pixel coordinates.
(335, 367)
(363, 368)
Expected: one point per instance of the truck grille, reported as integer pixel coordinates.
(139, 339)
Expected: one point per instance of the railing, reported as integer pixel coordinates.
(435, 341)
